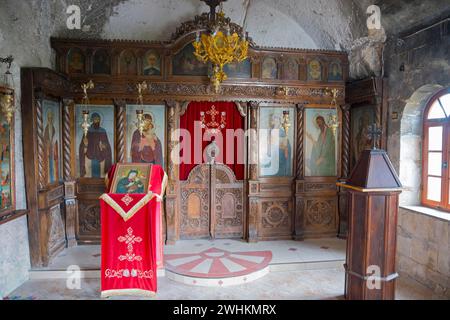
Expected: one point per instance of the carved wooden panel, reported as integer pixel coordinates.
(56, 238)
(212, 203)
(229, 205)
(320, 217)
(195, 200)
(43, 92)
(276, 218)
(88, 220)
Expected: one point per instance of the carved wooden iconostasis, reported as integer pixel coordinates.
(298, 200)
(366, 104)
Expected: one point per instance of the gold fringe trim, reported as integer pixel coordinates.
(127, 215)
(128, 292)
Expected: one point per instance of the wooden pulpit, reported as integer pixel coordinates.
(373, 191)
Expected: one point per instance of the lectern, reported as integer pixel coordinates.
(373, 191)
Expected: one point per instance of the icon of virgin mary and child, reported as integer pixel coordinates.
(146, 147)
(131, 183)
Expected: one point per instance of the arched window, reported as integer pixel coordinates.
(436, 152)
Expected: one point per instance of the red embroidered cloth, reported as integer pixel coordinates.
(132, 244)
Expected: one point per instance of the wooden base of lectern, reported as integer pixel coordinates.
(373, 193)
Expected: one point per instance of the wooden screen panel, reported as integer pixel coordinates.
(195, 204)
(228, 206)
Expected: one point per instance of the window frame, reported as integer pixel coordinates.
(444, 204)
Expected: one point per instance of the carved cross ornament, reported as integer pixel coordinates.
(374, 133)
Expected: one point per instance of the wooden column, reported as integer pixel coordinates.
(253, 183)
(120, 106)
(345, 172)
(70, 199)
(373, 191)
(171, 203)
(299, 168)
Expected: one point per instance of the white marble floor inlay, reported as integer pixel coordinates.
(203, 267)
(231, 266)
(180, 261)
(247, 258)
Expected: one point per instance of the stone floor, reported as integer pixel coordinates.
(283, 252)
(292, 285)
(288, 279)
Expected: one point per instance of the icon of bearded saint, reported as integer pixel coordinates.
(323, 157)
(95, 150)
(146, 148)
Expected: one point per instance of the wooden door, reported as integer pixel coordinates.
(228, 208)
(212, 203)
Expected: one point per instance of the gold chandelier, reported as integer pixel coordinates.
(219, 45)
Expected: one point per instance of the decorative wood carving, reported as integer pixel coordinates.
(320, 217)
(320, 213)
(40, 144)
(345, 141)
(121, 123)
(241, 107)
(367, 92)
(56, 237)
(195, 204)
(44, 199)
(211, 203)
(300, 147)
(253, 219)
(253, 145)
(172, 205)
(275, 214)
(89, 218)
(229, 203)
(67, 137)
(275, 219)
(71, 206)
(253, 215)
(299, 221)
(290, 87)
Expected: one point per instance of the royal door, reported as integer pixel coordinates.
(212, 203)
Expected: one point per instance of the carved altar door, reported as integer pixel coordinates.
(212, 203)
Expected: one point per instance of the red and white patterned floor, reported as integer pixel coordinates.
(217, 263)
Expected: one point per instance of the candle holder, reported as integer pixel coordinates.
(140, 121)
(333, 121)
(85, 125)
(7, 93)
(140, 88)
(7, 105)
(286, 122)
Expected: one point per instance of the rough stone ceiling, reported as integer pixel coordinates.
(398, 16)
(325, 24)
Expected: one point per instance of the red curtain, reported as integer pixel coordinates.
(233, 120)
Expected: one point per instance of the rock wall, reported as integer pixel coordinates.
(415, 61)
(14, 255)
(423, 250)
(417, 66)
